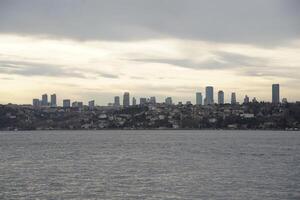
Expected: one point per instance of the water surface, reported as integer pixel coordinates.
(150, 165)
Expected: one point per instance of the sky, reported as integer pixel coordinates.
(96, 49)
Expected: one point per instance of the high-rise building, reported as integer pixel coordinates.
(246, 99)
(44, 100)
(126, 100)
(275, 93)
(143, 101)
(36, 102)
(92, 104)
(198, 98)
(117, 101)
(233, 98)
(53, 100)
(209, 95)
(66, 103)
(133, 101)
(168, 101)
(220, 97)
(152, 100)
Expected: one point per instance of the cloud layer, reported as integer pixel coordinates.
(98, 49)
(268, 22)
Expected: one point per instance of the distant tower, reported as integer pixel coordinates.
(143, 101)
(91, 104)
(133, 101)
(152, 100)
(220, 97)
(117, 101)
(168, 101)
(209, 95)
(233, 98)
(275, 93)
(44, 100)
(198, 98)
(36, 102)
(53, 101)
(126, 100)
(246, 99)
(66, 103)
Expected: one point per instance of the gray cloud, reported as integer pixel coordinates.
(267, 22)
(36, 69)
(24, 68)
(222, 60)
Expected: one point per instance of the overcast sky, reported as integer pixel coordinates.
(94, 49)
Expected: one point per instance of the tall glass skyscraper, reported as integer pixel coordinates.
(275, 93)
(126, 100)
(233, 98)
(53, 100)
(209, 95)
(220, 97)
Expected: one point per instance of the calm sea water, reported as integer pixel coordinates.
(150, 165)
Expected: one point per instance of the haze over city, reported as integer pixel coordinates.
(86, 50)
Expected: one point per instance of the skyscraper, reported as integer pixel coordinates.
(133, 101)
(275, 93)
(143, 101)
(36, 102)
(126, 100)
(209, 95)
(233, 98)
(44, 100)
(66, 103)
(152, 100)
(168, 101)
(198, 98)
(117, 101)
(220, 97)
(91, 104)
(53, 100)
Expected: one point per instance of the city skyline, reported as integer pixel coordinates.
(199, 99)
(99, 49)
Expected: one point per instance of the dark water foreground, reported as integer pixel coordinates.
(150, 165)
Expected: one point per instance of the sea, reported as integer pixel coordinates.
(150, 164)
